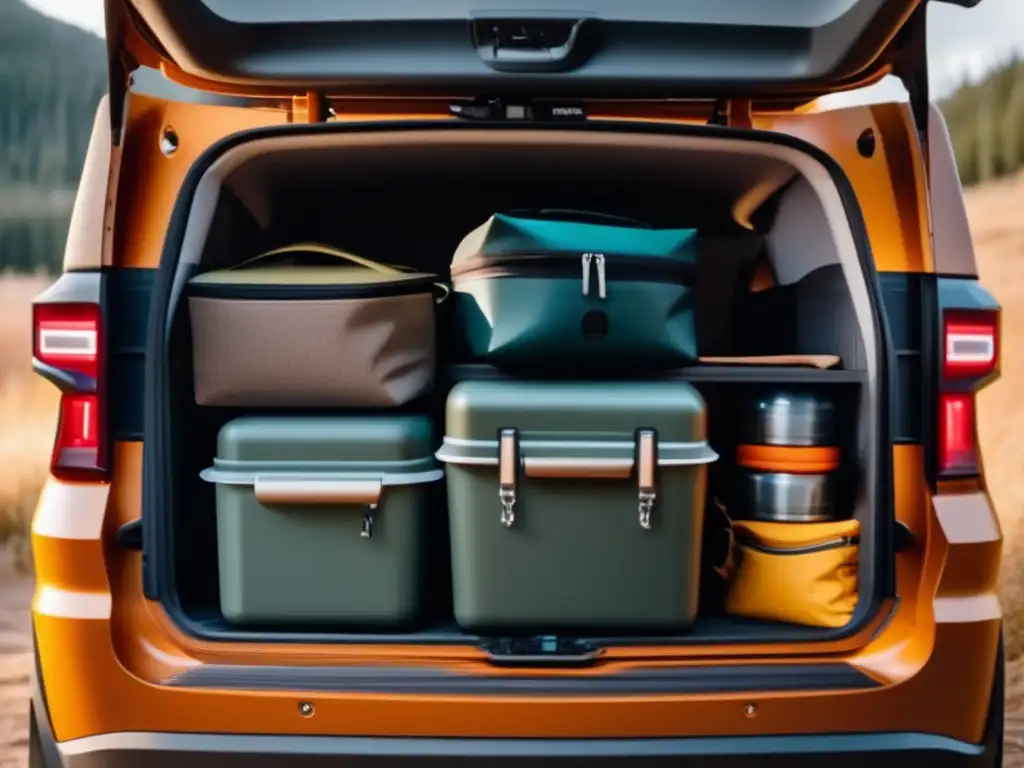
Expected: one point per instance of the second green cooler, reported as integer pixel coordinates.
(575, 506)
(325, 520)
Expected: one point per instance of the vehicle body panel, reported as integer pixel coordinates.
(118, 659)
(96, 632)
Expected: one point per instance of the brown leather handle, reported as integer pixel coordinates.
(302, 491)
(580, 468)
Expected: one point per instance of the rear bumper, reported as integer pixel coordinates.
(157, 750)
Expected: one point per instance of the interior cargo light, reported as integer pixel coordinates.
(68, 348)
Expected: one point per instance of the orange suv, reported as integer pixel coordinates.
(227, 120)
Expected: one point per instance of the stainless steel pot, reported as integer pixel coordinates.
(786, 418)
(785, 498)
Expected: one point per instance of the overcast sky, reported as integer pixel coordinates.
(963, 43)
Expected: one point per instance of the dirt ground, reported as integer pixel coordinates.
(26, 413)
(15, 663)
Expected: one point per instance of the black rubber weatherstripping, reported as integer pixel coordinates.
(159, 540)
(689, 680)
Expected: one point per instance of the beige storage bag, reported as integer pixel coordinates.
(330, 330)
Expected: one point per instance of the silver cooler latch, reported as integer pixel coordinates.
(367, 531)
(508, 468)
(646, 461)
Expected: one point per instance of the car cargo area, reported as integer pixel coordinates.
(784, 321)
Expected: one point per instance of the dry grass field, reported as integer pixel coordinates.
(27, 422)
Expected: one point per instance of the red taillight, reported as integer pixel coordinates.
(67, 337)
(958, 444)
(970, 344)
(68, 348)
(970, 354)
(79, 442)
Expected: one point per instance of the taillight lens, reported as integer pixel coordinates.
(970, 344)
(970, 354)
(67, 337)
(68, 347)
(958, 443)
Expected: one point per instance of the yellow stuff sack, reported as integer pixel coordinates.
(801, 573)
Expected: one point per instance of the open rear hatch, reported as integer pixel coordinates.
(779, 54)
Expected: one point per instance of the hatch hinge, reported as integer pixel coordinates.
(311, 107)
(733, 113)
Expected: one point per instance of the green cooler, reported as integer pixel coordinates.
(575, 506)
(324, 520)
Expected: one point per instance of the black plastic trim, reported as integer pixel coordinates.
(158, 487)
(129, 291)
(931, 374)
(903, 537)
(684, 680)
(904, 297)
(65, 381)
(129, 535)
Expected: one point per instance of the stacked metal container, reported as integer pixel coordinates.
(788, 459)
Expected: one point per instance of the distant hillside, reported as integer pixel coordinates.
(52, 76)
(986, 123)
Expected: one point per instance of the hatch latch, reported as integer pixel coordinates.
(544, 650)
(553, 44)
(505, 110)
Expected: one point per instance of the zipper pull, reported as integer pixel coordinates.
(602, 288)
(586, 273)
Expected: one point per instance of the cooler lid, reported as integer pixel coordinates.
(578, 411)
(324, 442)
